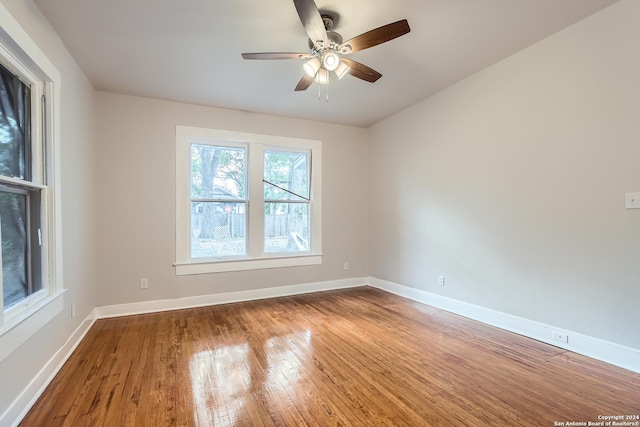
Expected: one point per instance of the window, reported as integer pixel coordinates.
(19, 197)
(246, 201)
(218, 201)
(287, 202)
(31, 274)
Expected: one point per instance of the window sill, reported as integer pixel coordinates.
(184, 269)
(17, 330)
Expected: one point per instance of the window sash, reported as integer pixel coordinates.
(289, 191)
(220, 236)
(32, 261)
(226, 237)
(223, 171)
(15, 102)
(296, 238)
(26, 171)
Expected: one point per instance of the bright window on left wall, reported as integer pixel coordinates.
(30, 255)
(20, 196)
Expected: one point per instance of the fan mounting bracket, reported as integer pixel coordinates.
(329, 19)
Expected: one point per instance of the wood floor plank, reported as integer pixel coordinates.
(357, 357)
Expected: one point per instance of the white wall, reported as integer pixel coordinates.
(136, 202)
(78, 208)
(511, 184)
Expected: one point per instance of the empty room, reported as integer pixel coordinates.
(313, 213)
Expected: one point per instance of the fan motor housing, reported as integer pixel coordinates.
(335, 40)
(329, 19)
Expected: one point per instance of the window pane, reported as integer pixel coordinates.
(15, 117)
(13, 213)
(218, 172)
(286, 175)
(218, 229)
(286, 227)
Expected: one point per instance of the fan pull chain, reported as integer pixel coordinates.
(326, 90)
(327, 87)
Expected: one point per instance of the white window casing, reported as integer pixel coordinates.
(255, 145)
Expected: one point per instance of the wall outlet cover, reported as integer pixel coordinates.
(560, 336)
(632, 200)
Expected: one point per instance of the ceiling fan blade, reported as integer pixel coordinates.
(312, 21)
(305, 82)
(375, 37)
(361, 71)
(276, 55)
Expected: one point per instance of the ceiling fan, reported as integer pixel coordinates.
(327, 50)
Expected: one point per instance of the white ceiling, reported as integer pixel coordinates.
(189, 50)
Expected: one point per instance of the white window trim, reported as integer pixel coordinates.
(185, 265)
(22, 321)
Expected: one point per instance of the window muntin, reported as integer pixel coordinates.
(298, 202)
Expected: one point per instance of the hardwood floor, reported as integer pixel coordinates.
(357, 357)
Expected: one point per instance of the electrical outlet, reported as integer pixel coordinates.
(144, 283)
(441, 280)
(560, 336)
(632, 200)
(346, 266)
(73, 311)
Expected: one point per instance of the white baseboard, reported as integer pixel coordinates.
(615, 354)
(224, 298)
(19, 408)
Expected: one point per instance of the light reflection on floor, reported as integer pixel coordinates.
(225, 377)
(283, 358)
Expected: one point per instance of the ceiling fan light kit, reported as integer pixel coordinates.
(327, 48)
(342, 69)
(311, 67)
(322, 76)
(330, 61)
